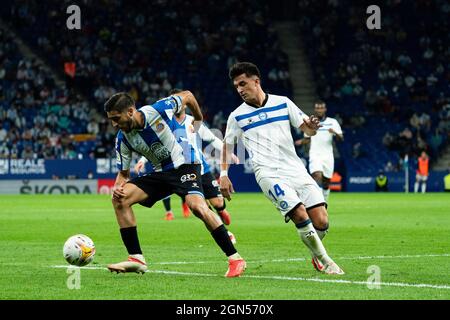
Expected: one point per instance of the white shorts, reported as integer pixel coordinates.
(421, 178)
(287, 192)
(322, 164)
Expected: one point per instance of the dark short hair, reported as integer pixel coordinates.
(244, 67)
(319, 102)
(119, 102)
(175, 91)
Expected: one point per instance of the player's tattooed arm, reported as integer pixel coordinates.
(310, 125)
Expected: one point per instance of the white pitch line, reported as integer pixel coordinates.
(365, 283)
(304, 259)
(390, 284)
(291, 259)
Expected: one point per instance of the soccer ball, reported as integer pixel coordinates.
(79, 250)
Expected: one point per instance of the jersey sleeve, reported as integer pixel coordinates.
(233, 131)
(337, 127)
(123, 153)
(295, 114)
(207, 136)
(143, 160)
(172, 103)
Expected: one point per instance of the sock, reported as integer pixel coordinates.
(131, 240)
(166, 202)
(424, 187)
(322, 232)
(235, 256)
(416, 187)
(140, 257)
(326, 193)
(220, 209)
(312, 241)
(220, 235)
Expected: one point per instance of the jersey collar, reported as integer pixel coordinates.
(263, 104)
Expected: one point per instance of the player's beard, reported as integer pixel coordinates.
(130, 125)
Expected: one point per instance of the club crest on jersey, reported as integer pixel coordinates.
(188, 177)
(159, 126)
(262, 116)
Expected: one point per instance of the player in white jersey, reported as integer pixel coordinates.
(263, 123)
(147, 131)
(321, 159)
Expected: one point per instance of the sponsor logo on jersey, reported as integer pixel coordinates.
(188, 177)
(160, 151)
(194, 185)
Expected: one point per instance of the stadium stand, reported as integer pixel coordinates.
(120, 48)
(389, 87)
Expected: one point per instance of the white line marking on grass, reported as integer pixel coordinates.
(86, 267)
(304, 259)
(391, 284)
(293, 259)
(197, 274)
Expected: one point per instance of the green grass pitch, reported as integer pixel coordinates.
(405, 237)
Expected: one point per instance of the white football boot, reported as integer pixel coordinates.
(131, 265)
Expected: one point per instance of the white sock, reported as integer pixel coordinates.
(416, 187)
(311, 239)
(322, 233)
(326, 193)
(140, 257)
(235, 256)
(424, 187)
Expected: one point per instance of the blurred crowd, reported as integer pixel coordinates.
(390, 86)
(395, 78)
(129, 46)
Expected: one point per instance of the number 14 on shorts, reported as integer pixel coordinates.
(278, 192)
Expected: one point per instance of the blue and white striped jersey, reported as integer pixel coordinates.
(156, 141)
(191, 142)
(266, 134)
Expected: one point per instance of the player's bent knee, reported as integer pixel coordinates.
(319, 217)
(299, 214)
(197, 204)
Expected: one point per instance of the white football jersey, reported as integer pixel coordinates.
(322, 142)
(266, 134)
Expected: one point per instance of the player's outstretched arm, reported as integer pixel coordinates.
(310, 125)
(226, 187)
(189, 100)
